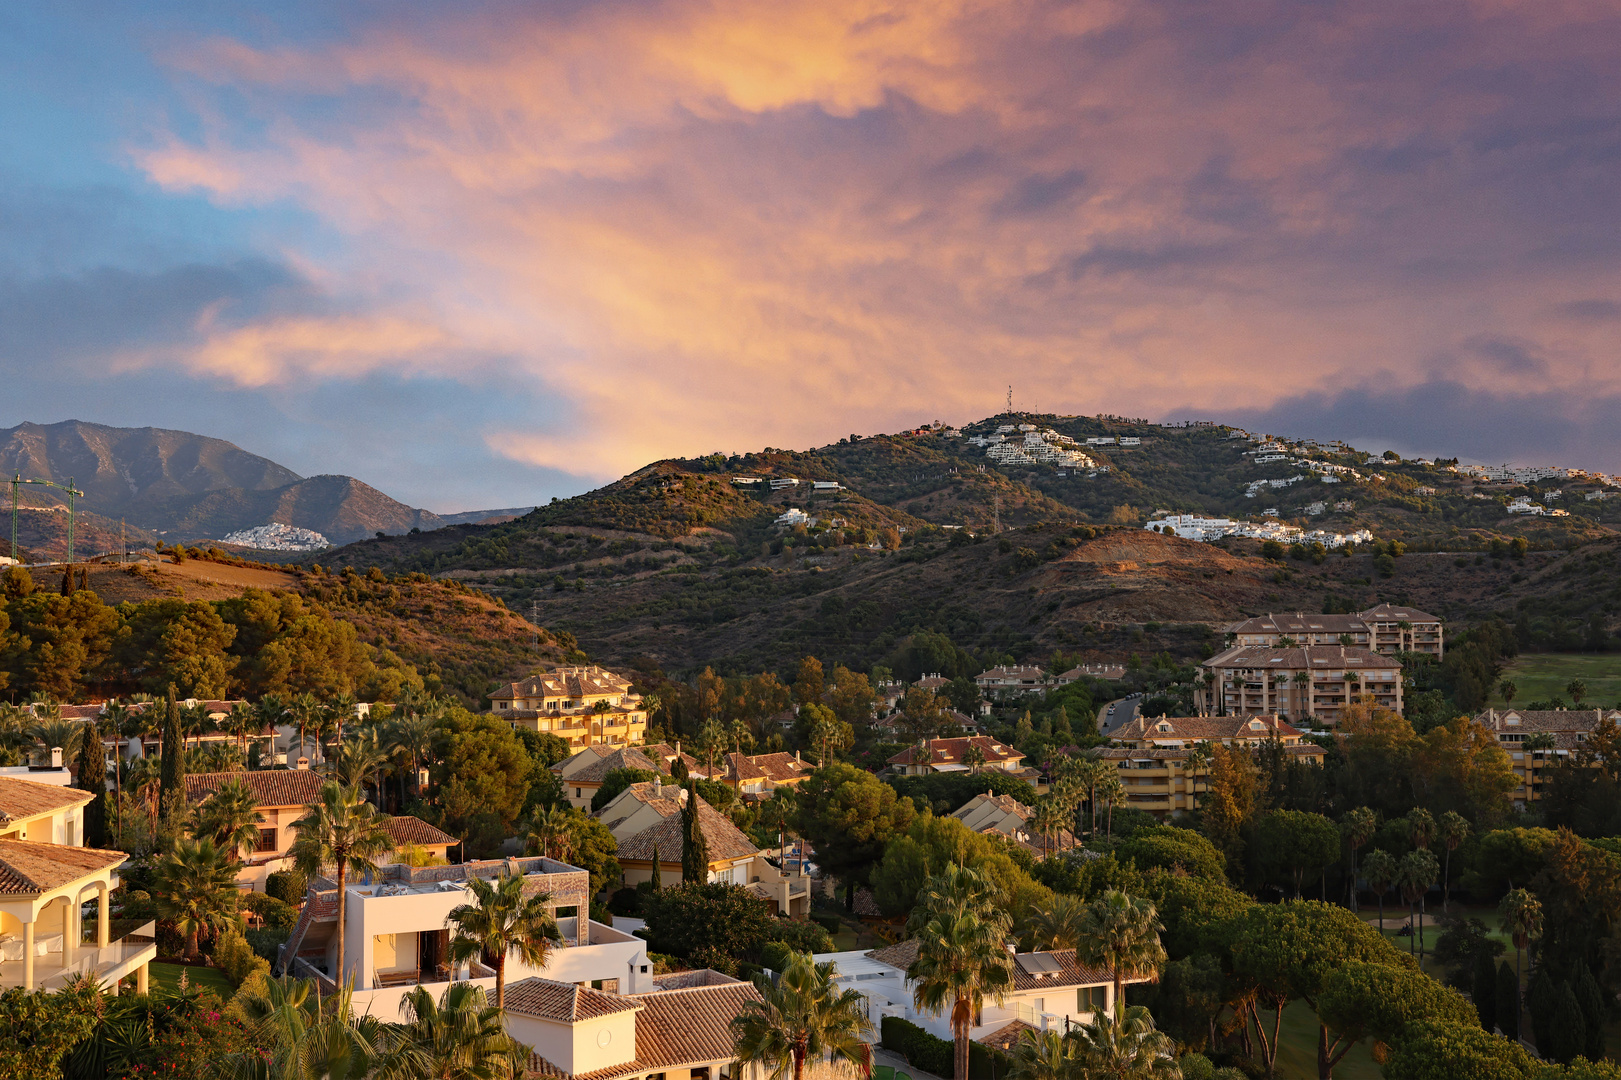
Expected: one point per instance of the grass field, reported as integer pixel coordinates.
(167, 976)
(1541, 676)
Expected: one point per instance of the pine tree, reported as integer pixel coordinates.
(1542, 1001)
(694, 848)
(1591, 999)
(1484, 989)
(172, 774)
(1508, 1001)
(1569, 1026)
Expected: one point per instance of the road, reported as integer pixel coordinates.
(1118, 712)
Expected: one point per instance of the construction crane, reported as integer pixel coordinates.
(17, 482)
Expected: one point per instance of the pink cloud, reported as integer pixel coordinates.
(737, 224)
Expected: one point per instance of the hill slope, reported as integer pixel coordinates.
(185, 487)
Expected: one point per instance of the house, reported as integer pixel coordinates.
(283, 796)
(1022, 679)
(791, 517)
(413, 832)
(756, 776)
(782, 482)
(585, 706)
(1563, 733)
(745, 481)
(1051, 990)
(579, 1033)
(583, 773)
(1091, 671)
(395, 937)
(1007, 817)
(1157, 766)
(947, 755)
(46, 876)
(826, 485)
(1312, 682)
(1385, 629)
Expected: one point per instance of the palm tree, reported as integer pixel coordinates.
(1058, 926)
(1508, 690)
(962, 955)
(974, 758)
(1197, 761)
(195, 721)
(146, 782)
(1454, 830)
(502, 921)
(306, 1038)
(302, 710)
(459, 1037)
(239, 723)
(1380, 870)
(1127, 1049)
(1536, 746)
(410, 733)
(194, 886)
(343, 831)
(1046, 818)
(1420, 826)
(711, 739)
(1415, 874)
(1121, 933)
(1112, 790)
(356, 757)
(1522, 918)
(54, 732)
(230, 817)
(1359, 826)
(803, 1017)
(1044, 1055)
(551, 832)
(742, 736)
(1577, 690)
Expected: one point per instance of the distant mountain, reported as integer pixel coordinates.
(183, 487)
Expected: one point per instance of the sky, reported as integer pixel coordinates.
(483, 254)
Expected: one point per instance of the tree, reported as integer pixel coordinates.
(961, 956)
(194, 886)
(174, 749)
(694, 846)
(1360, 1000)
(1129, 1048)
(342, 831)
(299, 1036)
(1112, 790)
(231, 818)
(849, 816)
(1522, 918)
(1569, 1028)
(1359, 826)
(1577, 690)
(1439, 1050)
(499, 922)
(1044, 1055)
(803, 1017)
(922, 713)
(1506, 1005)
(1229, 800)
(1046, 819)
(1420, 826)
(1508, 690)
(1415, 876)
(481, 776)
(1595, 1011)
(459, 1037)
(1120, 933)
(1483, 989)
(689, 919)
(1297, 843)
(41, 1026)
(1454, 830)
(551, 832)
(1058, 925)
(1170, 847)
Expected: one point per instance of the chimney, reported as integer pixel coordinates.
(658, 787)
(56, 757)
(796, 755)
(678, 748)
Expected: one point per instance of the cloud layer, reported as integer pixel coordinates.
(672, 227)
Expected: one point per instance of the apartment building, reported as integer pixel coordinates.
(1386, 629)
(1541, 740)
(585, 706)
(1153, 755)
(1307, 683)
(953, 755)
(1020, 679)
(46, 876)
(1004, 816)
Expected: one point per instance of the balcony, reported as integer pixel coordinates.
(107, 963)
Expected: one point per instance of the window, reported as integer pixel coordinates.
(267, 839)
(1090, 999)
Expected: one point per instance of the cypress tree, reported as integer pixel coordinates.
(658, 877)
(93, 778)
(1484, 989)
(694, 849)
(1508, 1001)
(1542, 1001)
(1591, 999)
(172, 774)
(1569, 1026)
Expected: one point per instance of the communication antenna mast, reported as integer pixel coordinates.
(1010, 399)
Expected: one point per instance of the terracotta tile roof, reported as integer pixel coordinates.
(684, 980)
(569, 682)
(725, 840)
(690, 1025)
(1301, 658)
(1299, 623)
(950, 751)
(413, 830)
(27, 867)
(1004, 1037)
(1001, 802)
(628, 757)
(779, 768)
(21, 798)
(551, 1000)
(900, 955)
(539, 1066)
(1393, 613)
(1532, 721)
(269, 787)
(1200, 728)
(1170, 753)
(1069, 973)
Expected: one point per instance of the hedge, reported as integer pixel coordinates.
(932, 1054)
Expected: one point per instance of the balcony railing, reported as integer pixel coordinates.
(98, 959)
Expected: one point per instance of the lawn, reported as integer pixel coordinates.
(167, 976)
(1297, 1052)
(1541, 676)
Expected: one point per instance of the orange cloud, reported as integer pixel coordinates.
(728, 223)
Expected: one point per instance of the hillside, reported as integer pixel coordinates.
(677, 566)
(182, 488)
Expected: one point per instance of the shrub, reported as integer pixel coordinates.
(288, 886)
(234, 956)
(830, 923)
(626, 901)
(711, 957)
(800, 936)
(935, 1055)
(601, 914)
(276, 914)
(266, 942)
(1196, 1067)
